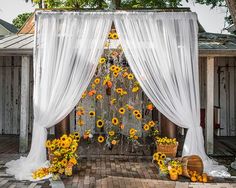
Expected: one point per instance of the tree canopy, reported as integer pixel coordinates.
(21, 19)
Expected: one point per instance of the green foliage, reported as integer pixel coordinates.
(21, 19)
(102, 4)
(212, 3)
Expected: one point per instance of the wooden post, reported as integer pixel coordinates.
(24, 116)
(168, 128)
(209, 135)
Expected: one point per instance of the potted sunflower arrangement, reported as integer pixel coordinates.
(168, 146)
(62, 157)
(171, 167)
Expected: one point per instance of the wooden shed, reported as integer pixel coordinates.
(217, 62)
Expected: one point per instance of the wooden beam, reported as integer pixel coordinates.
(209, 136)
(24, 116)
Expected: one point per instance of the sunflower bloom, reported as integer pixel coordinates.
(102, 60)
(136, 112)
(151, 123)
(114, 36)
(101, 139)
(138, 116)
(130, 76)
(111, 133)
(92, 113)
(97, 81)
(115, 121)
(146, 127)
(121, 110)
(100, 123)
(99, 97)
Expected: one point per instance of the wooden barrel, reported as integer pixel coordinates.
(192, 163)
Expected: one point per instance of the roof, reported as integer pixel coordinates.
(17, 44)
(9, 28)
(208, 43)
(223, 44)
(28, 27)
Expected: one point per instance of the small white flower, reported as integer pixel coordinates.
(90, 135)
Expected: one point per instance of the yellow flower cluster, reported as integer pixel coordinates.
(166, 140)
(137, 114)
(132, 134)
(40, 173)
(175, 167)
(194, 176)
(113, 35)
(62, 156)
(159, 158)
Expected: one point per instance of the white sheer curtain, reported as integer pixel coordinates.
(68, 47)
(162, 51)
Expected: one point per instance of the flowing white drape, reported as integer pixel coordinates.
(162, 51)
(68, 47)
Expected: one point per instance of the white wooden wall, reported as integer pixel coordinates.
(224, 91)
(10, 90)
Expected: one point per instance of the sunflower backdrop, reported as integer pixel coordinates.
(114, 106)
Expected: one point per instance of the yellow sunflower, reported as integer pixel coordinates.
(135, 112)
(110, 35)
(121, 110)
(100, 123)
(64, 162)
(132, 131)
(114, 36)
(111, 133)
(173, 171)
(155, 156)
(102, 60)
(135, 89)
(117, 69)
(115, 74)
(97, 81)
(73, 161)
(160, 162)
(52, 147)
(119, 90)
(76, 134)
(101, 139)
(138, 116)
(113, 68)
(73, 148)
(151, 123)
(146, 127)
(163, 156)
(130, 76)
(64, 137)
(99, 97)
(92, 113)
(48, 143)
(135, 137)
(115, 121)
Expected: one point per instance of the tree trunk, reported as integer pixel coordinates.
(231, 4)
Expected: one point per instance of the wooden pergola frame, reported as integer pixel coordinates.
(210, 54)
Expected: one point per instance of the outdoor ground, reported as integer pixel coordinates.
(106, 171)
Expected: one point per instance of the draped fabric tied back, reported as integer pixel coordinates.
(161, 49)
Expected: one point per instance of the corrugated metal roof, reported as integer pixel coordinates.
(20, 43)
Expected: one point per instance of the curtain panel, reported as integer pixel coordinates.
(67, 49)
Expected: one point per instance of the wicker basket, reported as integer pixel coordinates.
(169, 150)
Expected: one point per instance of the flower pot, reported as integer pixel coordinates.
(174, 177)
